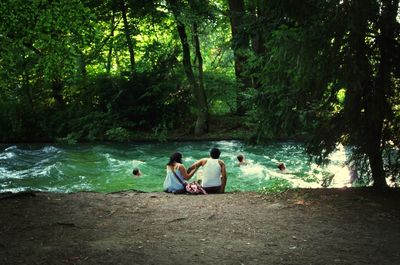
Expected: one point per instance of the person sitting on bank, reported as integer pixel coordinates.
(242, 161)
(214, 172)
(175, 170)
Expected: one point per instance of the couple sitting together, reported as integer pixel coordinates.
(213, 179)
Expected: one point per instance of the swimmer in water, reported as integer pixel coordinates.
(282, 167)
(241, 160)
(136, 172)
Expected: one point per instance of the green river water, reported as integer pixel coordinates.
(108, 167)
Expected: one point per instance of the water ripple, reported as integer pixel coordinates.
(108, 167)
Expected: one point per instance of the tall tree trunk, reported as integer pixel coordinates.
(257, 41)
(240, 46)
(259, 18)
(369, 94)
(201, 126)
(382, 88)
(109, 56)
(203, 121)
(129, 41)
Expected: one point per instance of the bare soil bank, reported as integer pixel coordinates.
(324, 226)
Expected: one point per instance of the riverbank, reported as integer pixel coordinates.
(320, 226)
(221, 127)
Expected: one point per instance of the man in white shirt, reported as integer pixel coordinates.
(214, 172)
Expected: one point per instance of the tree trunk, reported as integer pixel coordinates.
(376, 164)
(370, 94)
(259, 18)
(201, 126)
(240, 46)
(382, 88)
(128, 37)
(257, 40)
(109, 56)
(202, 104)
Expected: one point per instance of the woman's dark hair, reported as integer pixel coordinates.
(175, 158)
(214, 153)
(240, 158)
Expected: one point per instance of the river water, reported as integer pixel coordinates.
(108, 167)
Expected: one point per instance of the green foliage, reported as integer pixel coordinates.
(276, 186)
(280, 98)
(323, 71)
(220, 101)
(71, 138)
(161, 132)
(65, 69)
(117, 134)
(328, 75)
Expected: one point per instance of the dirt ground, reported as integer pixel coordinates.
(322, 226)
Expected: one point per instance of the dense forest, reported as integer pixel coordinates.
(326, 72)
